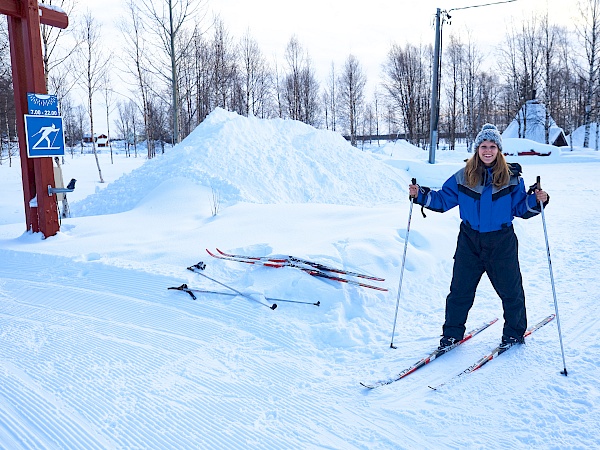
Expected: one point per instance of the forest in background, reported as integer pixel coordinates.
(178, 64)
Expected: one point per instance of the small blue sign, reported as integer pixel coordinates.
(42, 104)
(44, 136)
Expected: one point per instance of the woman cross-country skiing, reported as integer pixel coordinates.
(489, 193)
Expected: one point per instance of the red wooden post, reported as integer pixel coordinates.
(24, 18)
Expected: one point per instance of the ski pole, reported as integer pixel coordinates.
(196, 268)
(562, 349)
(414, 181)
(184, 287)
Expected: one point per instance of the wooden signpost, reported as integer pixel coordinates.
(24, 19)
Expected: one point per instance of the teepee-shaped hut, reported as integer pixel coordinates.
(529, 124)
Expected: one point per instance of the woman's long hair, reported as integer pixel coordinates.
(475, 167)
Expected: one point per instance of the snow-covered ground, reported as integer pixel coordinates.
(96, 352)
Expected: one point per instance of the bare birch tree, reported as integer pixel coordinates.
(301, 88)
(521, 60)
(255, 77)
(294, 60)
(565, 108)
(406, 82)
(309, 95)
(589, 32)
(331, 96)
(352, 84)
(472, 64)
(468, 83)
(54, 50)
(94, 64)
(187, 86)
(202, 75)
(549, 36)
(168, 18)
(279, 92)
(223, 65)
(108, 97)
(7, 103)
(453, 66)
(138, 64)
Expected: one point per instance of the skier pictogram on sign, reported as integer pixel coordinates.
(44, 136)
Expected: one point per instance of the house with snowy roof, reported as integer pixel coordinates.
(101, 140)
(529, 123)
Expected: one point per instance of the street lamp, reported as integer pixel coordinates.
(440, 17)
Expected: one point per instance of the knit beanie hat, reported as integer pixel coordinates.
(489, 132)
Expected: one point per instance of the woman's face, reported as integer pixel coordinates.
(488, 152)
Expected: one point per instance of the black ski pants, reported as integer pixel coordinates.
(495, 253)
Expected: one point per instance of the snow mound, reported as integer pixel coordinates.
(259, 161)
(578, 136)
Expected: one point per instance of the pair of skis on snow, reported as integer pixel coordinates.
(312, 268)
(472, 368)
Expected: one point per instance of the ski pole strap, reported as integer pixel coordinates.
(199, 266)
(414, 200)
(184, 288)
(414, 180)
(537, 186)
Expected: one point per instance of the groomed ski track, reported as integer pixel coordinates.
(102, 357)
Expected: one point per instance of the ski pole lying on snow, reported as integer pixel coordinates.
(414, 181)
(197, 268)
(184, 287)
(564, 371)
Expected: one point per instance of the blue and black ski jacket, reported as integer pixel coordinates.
(485, 207)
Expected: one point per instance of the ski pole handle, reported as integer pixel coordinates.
(413, 182)
(538, 183)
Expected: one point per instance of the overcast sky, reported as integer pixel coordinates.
(330, 30)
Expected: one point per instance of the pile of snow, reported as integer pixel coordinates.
(259, 161)
(578, 137)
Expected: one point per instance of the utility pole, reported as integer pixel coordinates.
(440, 17)
(435, 89)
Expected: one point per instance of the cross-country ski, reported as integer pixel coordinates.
(493, 354)
(295, 259)
(429, 358)
(307, 268)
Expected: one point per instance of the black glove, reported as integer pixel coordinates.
(422, 190)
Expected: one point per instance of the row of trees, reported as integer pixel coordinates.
(178, 67)
(8, 132)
